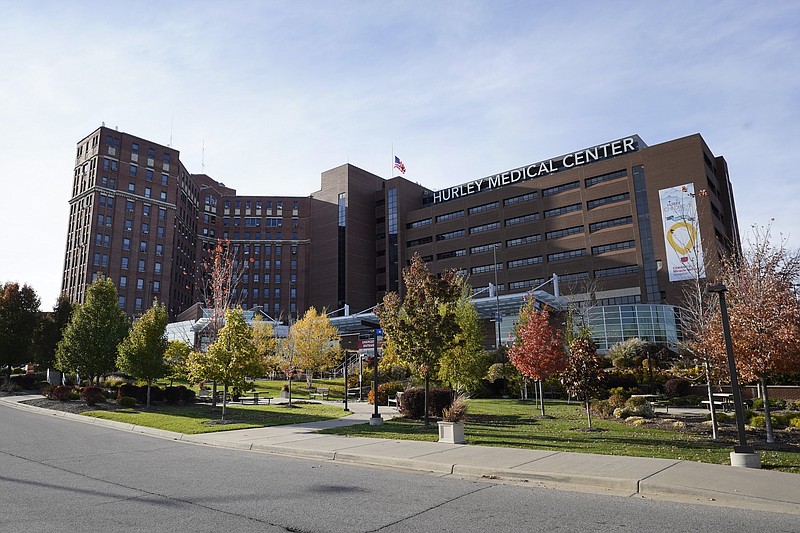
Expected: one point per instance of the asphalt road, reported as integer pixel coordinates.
(57, 474)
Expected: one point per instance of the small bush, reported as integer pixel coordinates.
(617, 400)
(413, 402)
(794, 423)
(156, 394)
(175, 394)
(127, 401)
(61, 393)
(722, 418)
(190, 396)
(26, 381)
(638, 407)
(127, 389)
(758, 421)
(603, 408)
(677, 387)
(113, 382)
(92, 395)
(775, 404)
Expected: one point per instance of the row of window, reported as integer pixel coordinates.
(255, 222)
(141, 265)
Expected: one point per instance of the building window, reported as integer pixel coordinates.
(133, 170)
(577, 276)
(606, 177)
(139, 284)
(519, 263)
(163, 196)
(122, 302)
(614, 222)
(124, 264)
(605, 248)
(616, 271)
(569, 254)
(453, 253)
(156, 286)
(129, 206)
(138, 304)
(148, 175)
(484, 227)
(126, 244)
(523, 219)
(162, 213)
(486, 268)
(563, 232)
(131, 188)
(164, 180)
(141, 266)
(418, 242)
(522, 198)
(159, 249)
(562, 210)
(419, 223)
(450, 216)
(591, 204)
(143, 246)
(525, 284)
(450, 235)
(160, 231)
(145, 228)
(529, 239)
(485, 207)
(123, 282)
(484, 248)
(550, 191)
(157, 268)
(148, 192)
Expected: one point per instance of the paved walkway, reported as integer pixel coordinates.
(664, 479)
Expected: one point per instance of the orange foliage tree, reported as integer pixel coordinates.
(538, 350)
(764, 313)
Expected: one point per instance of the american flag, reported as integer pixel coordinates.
(399, 165)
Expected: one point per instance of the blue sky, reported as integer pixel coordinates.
(264, 96)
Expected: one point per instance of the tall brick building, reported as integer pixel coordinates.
(594, 217)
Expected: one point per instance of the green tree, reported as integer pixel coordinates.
(231, 358)
(312, 339)
(176, 358)
(424, 324)
(49, 330)
(19, 312)
(141, 353)
(90, 340)
(463, 366)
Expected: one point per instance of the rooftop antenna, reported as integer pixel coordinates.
(203, 158)
(171, 124)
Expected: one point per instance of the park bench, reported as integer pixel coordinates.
(661, 402)
(321, 392)
(203, 395)
(396, 401)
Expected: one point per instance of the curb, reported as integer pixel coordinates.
(646, 487)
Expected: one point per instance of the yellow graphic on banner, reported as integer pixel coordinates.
(682, 249)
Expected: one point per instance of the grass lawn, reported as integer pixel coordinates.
(195, 418)
(512, 423)
(273, 387)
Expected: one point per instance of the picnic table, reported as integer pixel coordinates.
(255, 398)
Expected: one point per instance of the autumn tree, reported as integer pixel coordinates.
(231, 358)
(176, 359)
(48, 332)
(424, 324)
(265, 342)
(538, 350)
(463, 366)
(582, 376)
(221, 274)
(764, 313)
(19, 312)
(90, 340)
(312, 341)
(141, 353)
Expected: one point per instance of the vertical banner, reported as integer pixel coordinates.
(682, 233)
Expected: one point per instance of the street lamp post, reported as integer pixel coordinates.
(496, 296)
(743, 454)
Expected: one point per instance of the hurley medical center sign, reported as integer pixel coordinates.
(542, 168)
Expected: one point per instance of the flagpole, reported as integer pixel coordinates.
(391, 164)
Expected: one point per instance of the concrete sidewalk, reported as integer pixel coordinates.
(663, 479)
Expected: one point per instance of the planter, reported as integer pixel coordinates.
(452, 432)
(284, 394)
